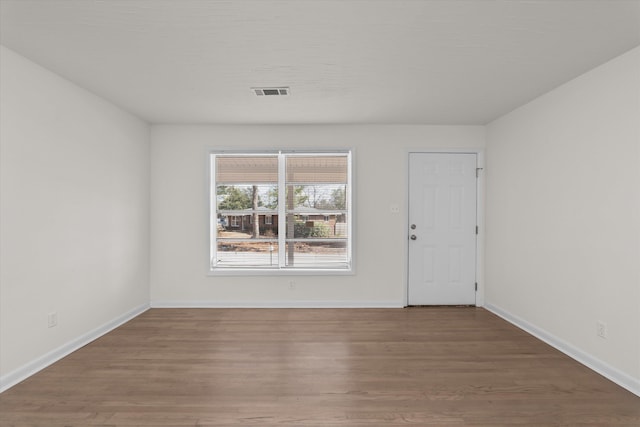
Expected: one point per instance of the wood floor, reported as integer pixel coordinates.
(326, 367)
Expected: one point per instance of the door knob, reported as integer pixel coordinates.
(413, 237)
(413, 226)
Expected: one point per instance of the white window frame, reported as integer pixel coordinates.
(268, 219)
(349, 269)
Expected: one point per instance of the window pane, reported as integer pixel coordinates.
(317, 254)
(246, 254)
(317, 168)
(317, 225)
(240, 197)
(238, 169)
(316, 198)
(240, 228)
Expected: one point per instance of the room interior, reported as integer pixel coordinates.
(108, 111)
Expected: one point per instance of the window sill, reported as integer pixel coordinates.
(281, 272)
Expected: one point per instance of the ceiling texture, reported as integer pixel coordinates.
(345, 61)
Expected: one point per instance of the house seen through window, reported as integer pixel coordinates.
(281, 211)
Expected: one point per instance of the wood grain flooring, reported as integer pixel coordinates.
(325, 367)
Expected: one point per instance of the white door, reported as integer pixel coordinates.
(442, 229)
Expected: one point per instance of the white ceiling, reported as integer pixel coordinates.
(349, 61)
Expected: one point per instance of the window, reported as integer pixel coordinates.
(285, 201)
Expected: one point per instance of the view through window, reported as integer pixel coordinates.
(281, 210)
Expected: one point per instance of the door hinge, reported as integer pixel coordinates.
(476, 229)
(478, 172)
(476, 286)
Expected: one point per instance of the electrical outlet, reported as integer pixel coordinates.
(292, 284)
(52, 320)
(394, 208)
(601, 329)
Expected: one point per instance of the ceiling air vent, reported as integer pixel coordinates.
(270, 91)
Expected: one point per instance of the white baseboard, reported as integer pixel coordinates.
(604, 369)
(14, 377)
(276, 304)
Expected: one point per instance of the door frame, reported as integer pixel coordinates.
(480, 190)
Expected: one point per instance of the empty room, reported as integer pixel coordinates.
(319, 213)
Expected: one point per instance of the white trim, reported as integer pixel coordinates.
(480, 189)
(212, 248)
(18, 375)
(276, 304)
(282, 219)
(622, 379)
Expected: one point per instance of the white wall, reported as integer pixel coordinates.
(563, 216)
(179, 222)
(74, 207)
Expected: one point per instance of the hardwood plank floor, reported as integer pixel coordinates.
(325, 367)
